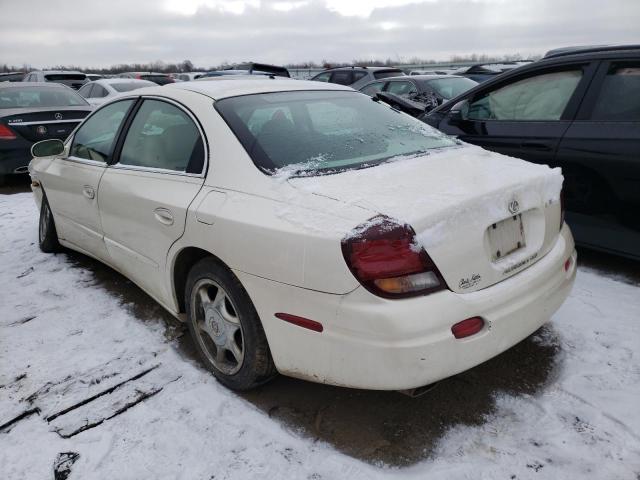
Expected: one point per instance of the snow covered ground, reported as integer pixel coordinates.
(65, 340)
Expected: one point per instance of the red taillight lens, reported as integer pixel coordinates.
(6, 133)
(384, 257)
(138, 76)
(467, 327)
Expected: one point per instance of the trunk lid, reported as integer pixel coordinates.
(46, 123)
(482, 217)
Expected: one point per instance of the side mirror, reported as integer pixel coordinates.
(458, 112)
(47, 148)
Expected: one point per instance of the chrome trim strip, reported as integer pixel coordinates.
(44, 122)
(119, 166)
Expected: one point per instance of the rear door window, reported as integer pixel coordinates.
(86, 91)
(619, 96)
(539, 97)
(322, 77)
(372, 88)
(99, 91)
(163, 136)
(95, 139)
(402, 89)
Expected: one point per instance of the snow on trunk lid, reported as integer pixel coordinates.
(482, 217)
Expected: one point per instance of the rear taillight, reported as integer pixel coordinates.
(385, 258)
(138, 76)
(6, 133)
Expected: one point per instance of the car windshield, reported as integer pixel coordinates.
(316, 131)
(451, 87)
(28, 97)
(128, 86)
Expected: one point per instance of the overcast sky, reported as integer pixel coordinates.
(97, 33)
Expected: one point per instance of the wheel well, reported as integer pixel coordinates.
(185, 260)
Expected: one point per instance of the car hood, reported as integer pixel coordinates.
(450, 198)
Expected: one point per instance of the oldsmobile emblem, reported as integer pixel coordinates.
(58, 116)
(514, 207)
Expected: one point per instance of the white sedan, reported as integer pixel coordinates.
(304, 228)
(101, 91)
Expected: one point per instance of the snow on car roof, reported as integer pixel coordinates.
(233, 86)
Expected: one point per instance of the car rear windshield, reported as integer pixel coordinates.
(56, 77)
(159, 79)
(310, 132)
(128, 86)
(451, 87)
(28, 97)
(387, 74)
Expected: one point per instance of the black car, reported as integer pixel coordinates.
(578, 109)
(427, 90)
(356, 76)
(482, 72)
(155, 77)
(30, 112)
(250, 68)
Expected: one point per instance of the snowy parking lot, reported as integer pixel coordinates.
(92, 369)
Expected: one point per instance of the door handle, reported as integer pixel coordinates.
(163, 216)
(541, 146)
(89, 192)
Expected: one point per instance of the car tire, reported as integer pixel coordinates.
(47, 234)
(225, 327)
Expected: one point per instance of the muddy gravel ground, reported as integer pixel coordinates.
(386, 427)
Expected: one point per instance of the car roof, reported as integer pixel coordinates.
(109, 81)
(362, 67)
(236, 85)
(59, 72)
(565, 51)
(32, 85)
(144, 73)
(417, 77)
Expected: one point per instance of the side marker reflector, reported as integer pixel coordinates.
(301, 321)
(467, 327)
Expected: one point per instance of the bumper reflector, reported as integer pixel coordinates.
(467, 327)
(300, 321)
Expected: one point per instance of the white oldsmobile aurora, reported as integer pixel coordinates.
(304, 228)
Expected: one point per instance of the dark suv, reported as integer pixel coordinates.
(356, 77)
(578, 109)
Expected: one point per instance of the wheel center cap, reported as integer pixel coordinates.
(216, 325)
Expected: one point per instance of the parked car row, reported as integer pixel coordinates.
(577, 109)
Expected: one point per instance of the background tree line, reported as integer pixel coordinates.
(188, 66)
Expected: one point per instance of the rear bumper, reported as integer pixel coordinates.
(374, 343)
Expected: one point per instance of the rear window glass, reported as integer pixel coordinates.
(128, 86)
(65, 76)
(28, 97)
(320, 131)
(387, 74)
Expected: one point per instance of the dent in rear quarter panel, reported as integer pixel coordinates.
(250, 234)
